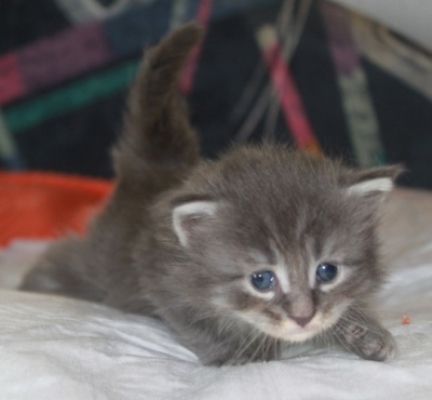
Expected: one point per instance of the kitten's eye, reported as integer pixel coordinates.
(326, 272)
(264, 280)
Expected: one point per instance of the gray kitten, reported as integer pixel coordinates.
(264, 246)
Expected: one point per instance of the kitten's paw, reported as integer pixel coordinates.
(377, 345)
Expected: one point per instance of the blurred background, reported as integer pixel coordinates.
(306, 72)
(350, 79)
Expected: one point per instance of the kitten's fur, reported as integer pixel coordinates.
(180, 237)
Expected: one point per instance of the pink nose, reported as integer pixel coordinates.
(303, 321)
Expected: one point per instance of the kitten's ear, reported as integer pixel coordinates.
(374, 182)
(192, 218)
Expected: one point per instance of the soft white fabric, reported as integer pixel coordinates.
(58, 348)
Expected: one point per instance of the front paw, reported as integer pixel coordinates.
(376, 345)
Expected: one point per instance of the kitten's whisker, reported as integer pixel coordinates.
(242, 346)
(246, 344)
(270, 350)
(255, 335)
(342, 342)
(259, 347)
(327, 339)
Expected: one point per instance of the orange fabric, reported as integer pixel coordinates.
(37, 205)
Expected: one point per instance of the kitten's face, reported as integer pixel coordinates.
(287, 257)
(290, 285)
(287, 299)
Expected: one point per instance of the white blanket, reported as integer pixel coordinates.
(58, 348)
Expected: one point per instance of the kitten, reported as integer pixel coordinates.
(264, 246)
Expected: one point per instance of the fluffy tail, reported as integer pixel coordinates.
(158, 145)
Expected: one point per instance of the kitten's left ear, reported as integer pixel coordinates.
(192, 219)
(373, 182)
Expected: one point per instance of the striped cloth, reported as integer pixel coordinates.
(303, 72)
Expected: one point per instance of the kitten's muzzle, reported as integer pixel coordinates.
(303, 321)
(300, 307)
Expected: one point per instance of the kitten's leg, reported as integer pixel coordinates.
(156, 150)
(71, 267)
(62, 270)
(360, 332)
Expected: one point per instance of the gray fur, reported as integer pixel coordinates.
(273, 208)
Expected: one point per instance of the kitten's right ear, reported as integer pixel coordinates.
(192, 218)
(373, 182)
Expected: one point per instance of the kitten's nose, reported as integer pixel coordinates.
(303, 321)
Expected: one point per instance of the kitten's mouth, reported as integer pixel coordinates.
(288, 330)
(302, 333)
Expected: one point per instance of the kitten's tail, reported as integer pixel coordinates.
(158, 144)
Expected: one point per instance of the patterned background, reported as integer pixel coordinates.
(303, 72)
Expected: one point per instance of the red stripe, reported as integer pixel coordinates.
(54, 59)
(11, 84)
(289, 97)
(186, 80)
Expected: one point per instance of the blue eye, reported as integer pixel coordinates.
(326, 272)
(263, 280)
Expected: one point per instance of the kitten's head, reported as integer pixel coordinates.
(288, 240)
